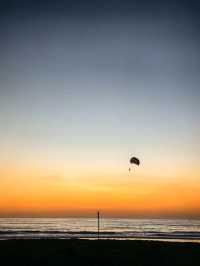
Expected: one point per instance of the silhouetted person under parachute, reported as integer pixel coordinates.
(134, 160)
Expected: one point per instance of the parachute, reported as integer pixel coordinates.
(134, 160)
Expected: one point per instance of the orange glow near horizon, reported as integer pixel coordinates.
(30, 193)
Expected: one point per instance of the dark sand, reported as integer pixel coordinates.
(93, 253)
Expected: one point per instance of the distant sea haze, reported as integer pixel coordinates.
(67, 228)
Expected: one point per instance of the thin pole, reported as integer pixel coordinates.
(98, 218)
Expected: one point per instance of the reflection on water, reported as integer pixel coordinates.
(162, 229)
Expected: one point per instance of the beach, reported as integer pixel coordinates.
(94, 252)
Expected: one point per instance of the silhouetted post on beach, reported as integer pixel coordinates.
(98, 217)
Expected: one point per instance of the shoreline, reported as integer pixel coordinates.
(196, 241)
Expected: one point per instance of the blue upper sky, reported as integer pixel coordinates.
(101, 79)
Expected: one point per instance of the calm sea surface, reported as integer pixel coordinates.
(162, 229)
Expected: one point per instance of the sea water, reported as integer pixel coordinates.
(66, 228)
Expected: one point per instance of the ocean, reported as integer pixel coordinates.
(86, 228)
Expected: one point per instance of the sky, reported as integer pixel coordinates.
(85, 85)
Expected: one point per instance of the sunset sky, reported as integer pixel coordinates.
(84, 85)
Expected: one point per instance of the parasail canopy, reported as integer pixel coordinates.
(135, 160)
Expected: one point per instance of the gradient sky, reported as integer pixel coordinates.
(83, 86)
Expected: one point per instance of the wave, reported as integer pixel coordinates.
(103, 234)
